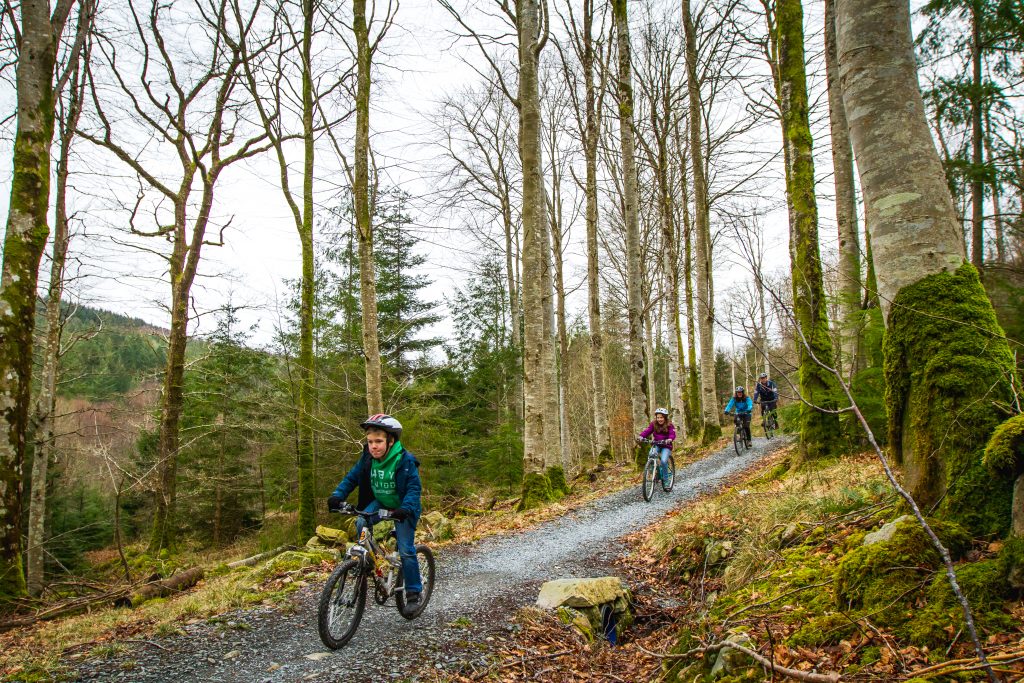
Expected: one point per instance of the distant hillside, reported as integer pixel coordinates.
(111, 353)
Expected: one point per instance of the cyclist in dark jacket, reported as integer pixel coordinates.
(387, 476)
(767, 393)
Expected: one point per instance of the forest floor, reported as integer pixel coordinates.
(474, 612)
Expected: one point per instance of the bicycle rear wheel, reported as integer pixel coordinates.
(425, 557)
(650, 471)
(341, 604)
(669, 481)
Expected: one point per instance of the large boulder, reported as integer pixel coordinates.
(336, 537)
(588, 603)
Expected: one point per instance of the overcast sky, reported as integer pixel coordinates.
(422, 62)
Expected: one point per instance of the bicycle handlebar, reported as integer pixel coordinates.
(382, 514)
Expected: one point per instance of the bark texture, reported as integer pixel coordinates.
(711, 427)
(818, 429)
(946, 360)
(851, 290)
(627, 140)
(364, 226)
(304, 225)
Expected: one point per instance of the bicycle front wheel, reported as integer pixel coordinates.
(769, 427)
(341, 604)
(738, 440)
(650, 471)
(425, 557)
(670, 475)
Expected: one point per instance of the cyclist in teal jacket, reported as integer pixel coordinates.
(744, 409)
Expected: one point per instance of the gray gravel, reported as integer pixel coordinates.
(483, 583)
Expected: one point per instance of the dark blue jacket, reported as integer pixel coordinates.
(766, 392)
(407, 483)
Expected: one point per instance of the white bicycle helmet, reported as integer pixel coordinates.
(383, 422)
(661, 411)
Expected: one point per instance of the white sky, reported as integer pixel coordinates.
(262, 248)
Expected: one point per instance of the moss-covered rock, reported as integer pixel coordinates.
(946, 362)
(985, 587)
(1012, 559)
(827, 629)
(536, 491)
(887, 574)
(290, 561)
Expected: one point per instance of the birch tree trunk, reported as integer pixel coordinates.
(637, 371)
(361, 198)
(946, 359)
(554, 453)
(47, 398)
(711, 427)
(851, 291)
(818, 429)
(531, 38)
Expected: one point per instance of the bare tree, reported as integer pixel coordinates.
(193, 112)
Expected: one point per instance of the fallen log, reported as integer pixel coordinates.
(255, 559)
(158, 589)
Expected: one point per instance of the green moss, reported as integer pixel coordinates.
(291, 561)
(12, 580)
(710, 434)
(1004, 453)
(946, 363)
(536, 491)
(886, 576)
(1012, 559)
(605, 456)
(827, 629)
(982, 583)
(868, 389)
(556, 479)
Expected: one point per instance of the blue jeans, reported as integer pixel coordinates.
(405, 531)
(664, 452)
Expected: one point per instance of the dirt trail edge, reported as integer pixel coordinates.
(479, 588)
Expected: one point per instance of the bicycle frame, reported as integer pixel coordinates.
(373, 559)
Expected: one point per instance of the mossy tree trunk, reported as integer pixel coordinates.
(531, 39)
(307, 393)
(361, 199)
(946, 359)
(818, 429)
(47, 398)
(24, 241)
(627, 141)
(711, 427)
(851, 290)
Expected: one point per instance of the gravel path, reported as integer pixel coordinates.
(479, 587)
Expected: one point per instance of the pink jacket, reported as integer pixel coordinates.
(668, 433)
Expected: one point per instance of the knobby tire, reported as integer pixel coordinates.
(649, 472)
(425, 556)
(346, 578)
(667, 486)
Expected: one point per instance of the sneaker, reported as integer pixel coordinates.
(412, 601)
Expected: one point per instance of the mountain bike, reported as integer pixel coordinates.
(770, 423)
(739, 435)
(344, 595)
(652, 470)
